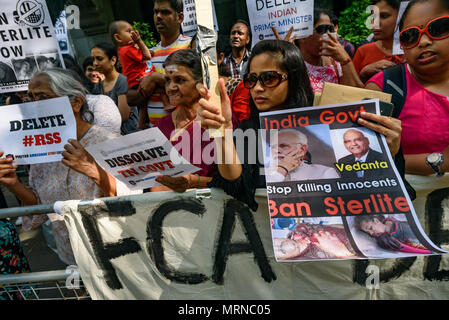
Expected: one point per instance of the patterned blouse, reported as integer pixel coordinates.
(54, 181)
(318, 75)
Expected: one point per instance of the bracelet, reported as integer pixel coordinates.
(345, 62)
(199, 180)
(284, 168)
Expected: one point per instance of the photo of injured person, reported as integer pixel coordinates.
(384, 235)
(311, 239)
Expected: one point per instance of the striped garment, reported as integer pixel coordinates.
(155, 106)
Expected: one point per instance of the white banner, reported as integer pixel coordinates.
(170, 246)
(28, 42)
(36, 132)
(189, 25)
(138, 158)
(264, 14)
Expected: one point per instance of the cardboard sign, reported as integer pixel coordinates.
(27, 43)
(137, 159)
(36, 132)
(333, 189)
(337, 93)
(264, 14)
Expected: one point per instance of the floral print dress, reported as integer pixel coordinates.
(318, 75)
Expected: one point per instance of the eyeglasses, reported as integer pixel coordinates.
(323, 28)
(435, 29)
(268, 79)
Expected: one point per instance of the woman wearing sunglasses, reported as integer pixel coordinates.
(277, 79)
(376, 56)
(425, 115)
(325, 58)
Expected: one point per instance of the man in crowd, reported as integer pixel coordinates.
(240, 38)
(288, 157)
(168, 17)
(358, 145)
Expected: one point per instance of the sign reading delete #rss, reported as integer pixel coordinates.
(36, 132)
(138, 158)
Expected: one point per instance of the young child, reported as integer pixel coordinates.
(134, 55)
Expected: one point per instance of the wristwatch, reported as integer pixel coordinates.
(435, 160)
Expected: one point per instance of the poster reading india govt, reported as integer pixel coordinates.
(264, 14)
(138, 158)
(333, 189)
(36, 132)
(166, 245)
(27, 42)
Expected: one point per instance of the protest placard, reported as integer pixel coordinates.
(36, 132)
(61, 33)
(137, 159)
(396, 44)
(264, 14)
(334, 191)
(189, 25)
(28, 42)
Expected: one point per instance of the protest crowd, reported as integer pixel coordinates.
(125, 88)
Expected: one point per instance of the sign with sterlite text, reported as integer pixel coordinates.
(334, 191)
(138, 158)
(27, 43)
(36, 132)
(264, 14)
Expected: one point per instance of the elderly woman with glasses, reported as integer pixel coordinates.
(277, 79)
(77, 176)
(324, 56)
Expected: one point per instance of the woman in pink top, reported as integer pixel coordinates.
(425, 115)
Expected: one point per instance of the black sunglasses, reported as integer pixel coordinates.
(268, 79)
(323, 28)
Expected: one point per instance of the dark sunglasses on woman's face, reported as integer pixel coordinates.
(323, 28)
(436, 29)
(268, 79)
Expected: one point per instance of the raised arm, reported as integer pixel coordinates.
(229, 165)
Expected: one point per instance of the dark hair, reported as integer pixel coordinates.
(176, 5)
(317, 12)
(111, 51)
(188, 58)
(358, 220)
(89, 61)
(444, 3)
(113, 28)
(248, 27)
(223, 70)
(395, 4)
(78, 73)
(334, 18)
(290, 60)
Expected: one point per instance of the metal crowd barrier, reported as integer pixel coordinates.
(49, 285)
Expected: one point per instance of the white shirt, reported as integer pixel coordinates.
(305, 172)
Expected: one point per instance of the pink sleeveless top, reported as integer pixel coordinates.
(425, 117)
